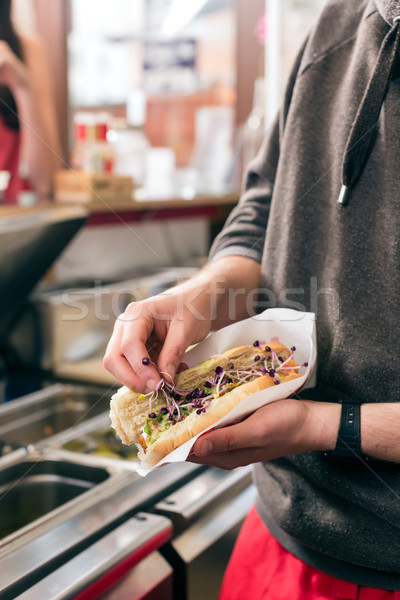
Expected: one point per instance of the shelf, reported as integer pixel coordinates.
(213, 207)
(172, 203)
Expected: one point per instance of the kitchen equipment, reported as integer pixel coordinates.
(207, 513)
(3, 380)
(60, 499)
(30, 490)
(61, 327)
(30, 241)
(153, 571)
(35, 550)
(94, 442)
(103, 443)
(102, 565)
(42, 414)
(6, 448)
(87, 370)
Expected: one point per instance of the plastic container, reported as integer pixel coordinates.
(128, 140)
(92, 151)
(81, 140)
(102, 156)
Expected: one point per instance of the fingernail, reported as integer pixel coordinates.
(171, 371)
(206, 448)
(151, 385)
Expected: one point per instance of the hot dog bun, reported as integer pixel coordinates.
(129, 410)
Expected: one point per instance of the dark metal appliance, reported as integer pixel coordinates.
(30, 241)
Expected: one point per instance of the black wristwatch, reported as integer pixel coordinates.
(348, 443)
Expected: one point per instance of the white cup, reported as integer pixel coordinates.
(160, 174)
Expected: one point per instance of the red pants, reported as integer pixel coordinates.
(261, 569)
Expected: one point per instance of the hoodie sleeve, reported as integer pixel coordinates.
(245, 229)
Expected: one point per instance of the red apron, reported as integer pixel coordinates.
(261, 569)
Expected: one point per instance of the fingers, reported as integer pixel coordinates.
(230, 460)
(230, 447)
(276, 429)
(126, 349)
(151, 329)
(174, 347)
(258, 430)
(154, 348)
(137, 344)
(226, 439)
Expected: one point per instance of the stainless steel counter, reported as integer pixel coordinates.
(67, 497)
(55, 409)
(99, 567)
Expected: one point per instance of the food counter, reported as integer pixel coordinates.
(109, 209)
(76, 520)
(72, 502)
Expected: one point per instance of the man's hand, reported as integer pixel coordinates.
(165, 325)
(294, 426)
(277, 429)
(161, 327)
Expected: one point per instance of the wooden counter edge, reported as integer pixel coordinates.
(99, 207)
(149, 205)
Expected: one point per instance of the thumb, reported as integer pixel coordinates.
(217, 441)
(173, 350)
(229, 438)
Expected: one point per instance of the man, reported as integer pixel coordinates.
(327, 518)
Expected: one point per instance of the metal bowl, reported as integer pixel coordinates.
(29, 490)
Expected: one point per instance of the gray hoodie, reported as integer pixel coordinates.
(343, 263)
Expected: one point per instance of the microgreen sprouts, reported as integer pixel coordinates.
(181, 402)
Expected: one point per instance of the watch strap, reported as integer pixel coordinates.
(348, 443)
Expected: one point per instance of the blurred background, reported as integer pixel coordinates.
(159, 105)
(168, 60)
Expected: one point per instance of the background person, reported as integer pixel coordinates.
(28, 128)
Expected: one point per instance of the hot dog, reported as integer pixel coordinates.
(160, 421)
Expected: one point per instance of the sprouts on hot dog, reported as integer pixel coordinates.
(162, 420)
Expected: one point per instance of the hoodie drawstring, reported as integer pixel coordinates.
(361, 136)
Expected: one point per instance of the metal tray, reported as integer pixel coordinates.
(103, 497)
(30, 419)
(30, 490)
(101, 442)
(92, 438)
